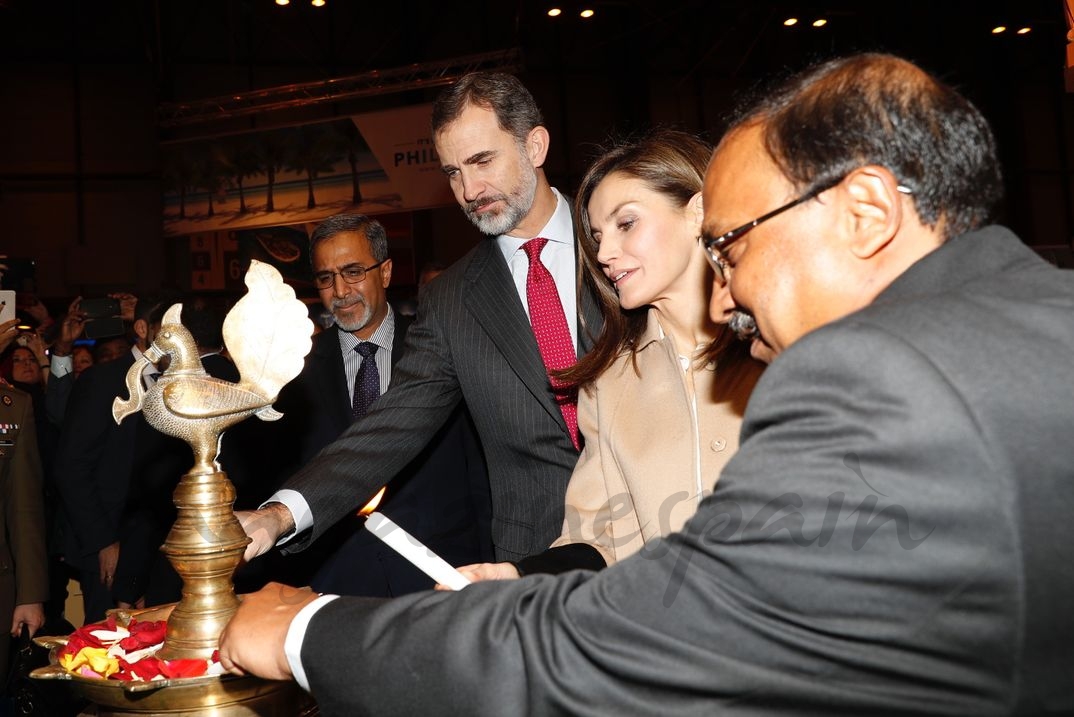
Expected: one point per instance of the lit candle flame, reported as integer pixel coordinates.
(373, 502)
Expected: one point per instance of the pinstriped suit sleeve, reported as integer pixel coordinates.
(346, 473)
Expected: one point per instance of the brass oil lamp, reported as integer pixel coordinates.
(267, 334)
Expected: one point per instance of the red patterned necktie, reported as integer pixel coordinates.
(550, 329)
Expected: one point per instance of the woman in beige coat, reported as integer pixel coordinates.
(664, 388)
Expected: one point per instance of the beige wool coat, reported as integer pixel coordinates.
(651, 450)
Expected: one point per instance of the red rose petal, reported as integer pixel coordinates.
(150, 633)
(74, 645)
(183, 668)
(147, 668)
(85, 633)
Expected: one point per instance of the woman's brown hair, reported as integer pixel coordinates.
(671, 163)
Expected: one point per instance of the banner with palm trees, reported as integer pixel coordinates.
(218, 259)
(372, 163)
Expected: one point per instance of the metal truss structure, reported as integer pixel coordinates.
(367, 84)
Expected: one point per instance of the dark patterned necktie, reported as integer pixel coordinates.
(551, 331)
(367, 382)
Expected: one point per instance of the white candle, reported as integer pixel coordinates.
(415, 551)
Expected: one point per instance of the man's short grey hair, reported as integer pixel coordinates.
(373, 231)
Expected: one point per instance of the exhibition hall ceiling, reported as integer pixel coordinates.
(250, 44)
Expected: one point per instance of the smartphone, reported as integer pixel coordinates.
(7, 305)
(104, 328)
(100, 308)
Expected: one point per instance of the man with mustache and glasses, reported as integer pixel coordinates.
(893, 535)
(474, 341)
(441, 495)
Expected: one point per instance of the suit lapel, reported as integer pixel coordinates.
(329, 376)
(402, 325)
(494, 303)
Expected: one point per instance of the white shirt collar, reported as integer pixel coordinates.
(559, 229)
(382, 337)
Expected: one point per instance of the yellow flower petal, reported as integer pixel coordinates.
(100, 662)
(72, 662)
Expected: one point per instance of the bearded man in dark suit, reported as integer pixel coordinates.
(441, 496)
(472, 342)
(892, 536)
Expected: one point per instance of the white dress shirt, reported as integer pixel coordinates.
(557, 256)
(352, 360)
(61, 365)
(296, 633)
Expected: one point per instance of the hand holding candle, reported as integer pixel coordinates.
(410, 547)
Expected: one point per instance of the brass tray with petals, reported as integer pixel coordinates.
(210, 695)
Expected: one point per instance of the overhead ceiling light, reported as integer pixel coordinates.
(586, 13)
(317, 3)
(283, 2)
(790, 21)
(1025, 30)
(998, 29)
(555, 12)
(820, 22)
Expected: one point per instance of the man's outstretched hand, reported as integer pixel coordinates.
(264, 527)
(253, 642)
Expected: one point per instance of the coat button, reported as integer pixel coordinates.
(718, 444)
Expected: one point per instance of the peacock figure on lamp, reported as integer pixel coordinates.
(267, 335)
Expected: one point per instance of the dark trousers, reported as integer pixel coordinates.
(96, 598)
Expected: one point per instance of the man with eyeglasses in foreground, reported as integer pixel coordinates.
(892, 536)
(441, 496)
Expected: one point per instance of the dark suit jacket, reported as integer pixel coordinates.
(94, 460)
(23, 559)
(99, 467)
(471, 342)
(441, 497)
(893, 537)
(57, 396)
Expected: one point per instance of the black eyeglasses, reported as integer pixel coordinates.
(716, 247)
(350, 274)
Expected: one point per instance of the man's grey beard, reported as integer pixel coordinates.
(744, 325)
(357, 324)
(517, 205)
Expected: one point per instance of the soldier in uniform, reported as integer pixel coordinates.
(23, 566)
